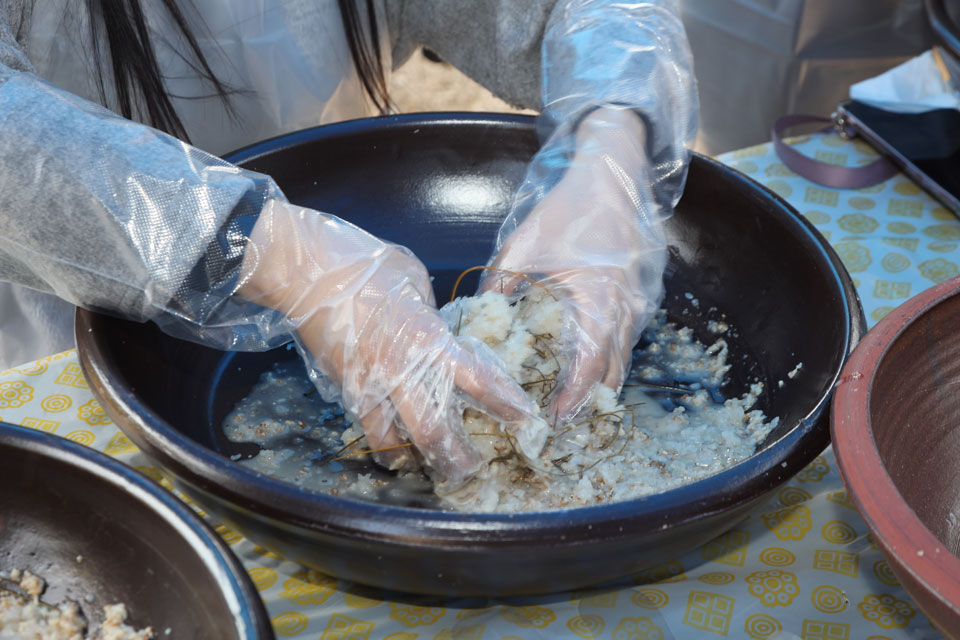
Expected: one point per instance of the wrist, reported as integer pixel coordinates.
(278, 268)
(617, 133)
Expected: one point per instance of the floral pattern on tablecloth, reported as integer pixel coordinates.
(803, 566)
(894, 239)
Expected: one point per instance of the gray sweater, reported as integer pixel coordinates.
(109, 214)
(496, 42)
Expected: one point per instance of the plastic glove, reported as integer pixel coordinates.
(155, 229)
(619, 110)
(608, 53)
(364, 310)
(595, 240)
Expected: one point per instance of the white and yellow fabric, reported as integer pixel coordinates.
(802, 567)
(894, 239)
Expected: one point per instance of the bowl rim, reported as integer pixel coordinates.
(895, 524)
(245, 605)
(270, 497)
(946, 31)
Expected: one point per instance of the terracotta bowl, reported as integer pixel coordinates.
(896, 434)
(440, 184)
(100, 533)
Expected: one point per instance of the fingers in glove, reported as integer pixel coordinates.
(439, 436)
(620, 360)
(498, 395)
(385, 440)
(589, 345)
(617, 367)
(491, 388)
(586, 366)
(425, 404)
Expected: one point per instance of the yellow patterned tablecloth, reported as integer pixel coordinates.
(803, 566)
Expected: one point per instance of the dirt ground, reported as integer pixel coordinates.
(423, 85)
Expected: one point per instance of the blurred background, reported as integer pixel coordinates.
(424, 83)
(755, 60)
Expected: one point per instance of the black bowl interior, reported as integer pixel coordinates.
(100, 534)
(440, 184)
(442, 191)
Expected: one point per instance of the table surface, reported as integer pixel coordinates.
(802, 566)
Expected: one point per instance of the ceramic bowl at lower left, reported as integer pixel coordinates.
(100, 533)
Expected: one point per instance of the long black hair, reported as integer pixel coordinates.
(137, 79)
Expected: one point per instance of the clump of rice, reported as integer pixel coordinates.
(25, 617)
(620, 447)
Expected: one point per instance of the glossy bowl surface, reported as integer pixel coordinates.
(440, 184)
(100, 533)
(896, 434)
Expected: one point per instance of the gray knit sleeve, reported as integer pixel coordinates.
(495, 42)
(12, 57)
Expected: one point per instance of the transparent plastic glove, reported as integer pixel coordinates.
(619, 113)
(365, 318)
(607, 53)
(111, 215)
(595, 241)
(114, 216)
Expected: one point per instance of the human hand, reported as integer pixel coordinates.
(364, 313)
(596, 241)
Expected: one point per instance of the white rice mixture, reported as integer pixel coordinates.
(621, 448)
(24, 617)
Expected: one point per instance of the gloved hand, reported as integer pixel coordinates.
(596, 241)
(364, 314)
(619, 110)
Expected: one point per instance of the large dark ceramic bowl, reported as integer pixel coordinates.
(440, 184)
(100, 533)
(896, 429)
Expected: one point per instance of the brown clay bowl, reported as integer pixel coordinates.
(896, 434)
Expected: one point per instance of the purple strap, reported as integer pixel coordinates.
(829, 175)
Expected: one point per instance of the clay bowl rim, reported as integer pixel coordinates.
(890, 518)
(244, 602)
(211, 472)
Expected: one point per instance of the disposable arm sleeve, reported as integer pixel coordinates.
(607, 53)
(568, 57)
(116, 216)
